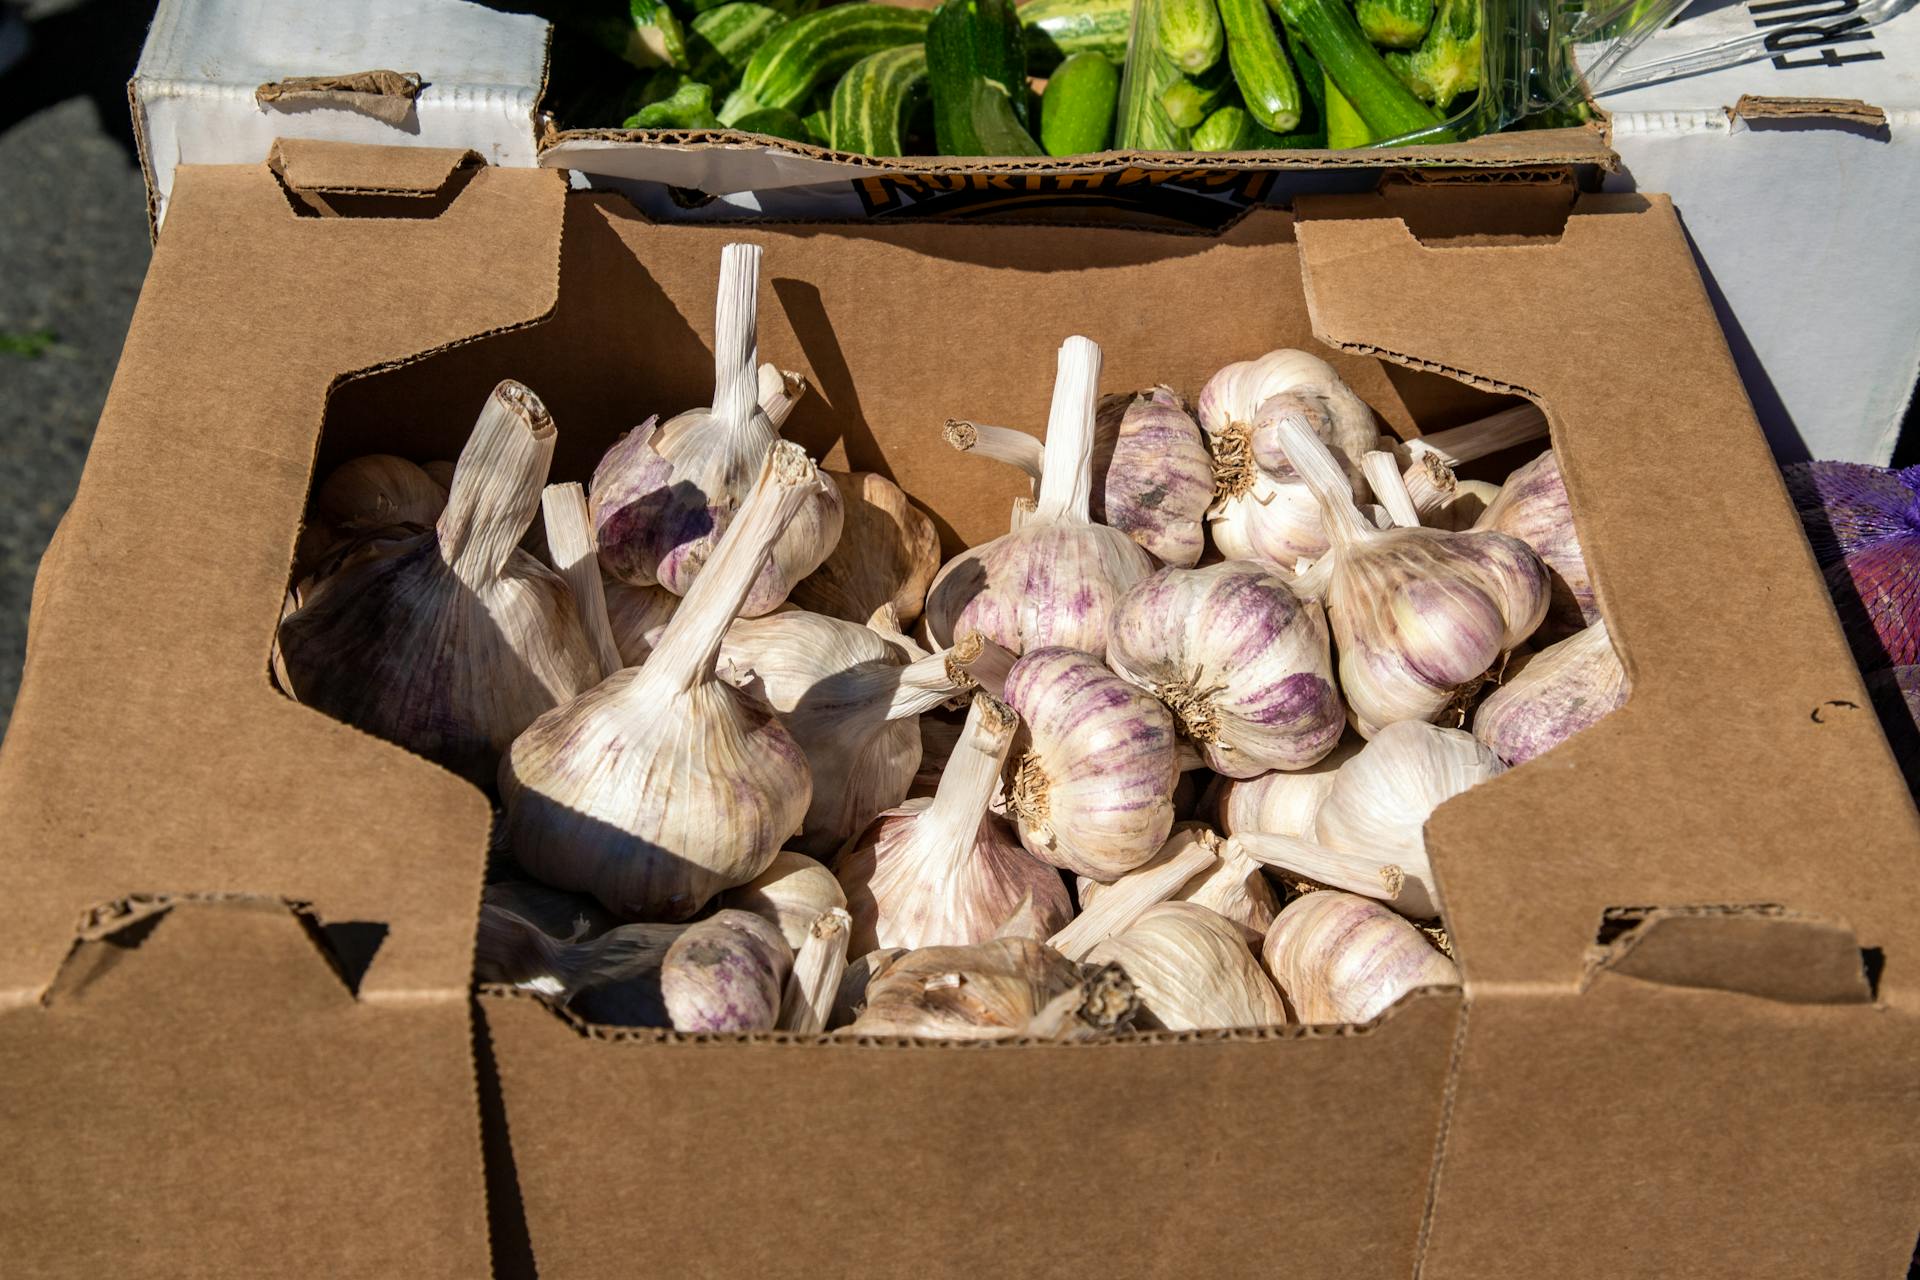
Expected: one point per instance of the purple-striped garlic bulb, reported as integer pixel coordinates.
(1343, 959)
(1419, 615)
(1052, 580)
(662, 498)
(1552, 695)
(1282, 802)
(663, 784)
(1241, 662)
(1193, 971)
(1091, 786)
(726, 973)
(947, 871)
(1532, 506)
(448, 641)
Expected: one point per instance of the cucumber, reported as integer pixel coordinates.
(774, 122)
(1190, 33)
(1396, 24)
(1330, 30)
(1191, 99)
(813, 50)
(970, 44)
(1230, 128)
(690, 107)
(1076, 111)
(873, 100)
(1345, 128)
(1143, 123)
(722, 40)
(1267, 83)
(1058, 29)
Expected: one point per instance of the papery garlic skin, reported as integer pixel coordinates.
(1344, 959)
(612, 978)
(1233, 887)
(1553, 695)
(1155, 477)
(1243, 665)
(852, 996)
(726, 973)
(636, 615)
(887, 553)
(790, 894)
(1092, 781)
(945, 871)
(663, 498)
(1193, 971)
(1004, 989)
(1532, 506)
(570, 917)
(1282, 802)
(1234, 397)
(1381, 799)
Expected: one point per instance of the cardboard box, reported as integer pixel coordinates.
(1686, 1036)
(1796, 175)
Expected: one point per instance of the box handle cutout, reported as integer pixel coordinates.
(327, 180)
(1759, 949)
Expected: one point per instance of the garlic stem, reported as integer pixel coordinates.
(1002, 444)
(976, 662)
(817, 969)
(779, 391)
(496, 484)
(1430, 482)
(1491, 434)
(1406, 883)
(952, 818)
(924, 684)
(1389, 490)
(1323, 477)
(1119, 904)
(1066, 478)
(736, 348)
(570, 542)
(685, 655)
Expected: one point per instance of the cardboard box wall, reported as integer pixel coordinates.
(1668, 1053)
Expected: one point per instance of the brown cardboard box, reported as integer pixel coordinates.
(1685, 1045)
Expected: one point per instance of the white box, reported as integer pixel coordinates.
(193, 94)
(1797, 177)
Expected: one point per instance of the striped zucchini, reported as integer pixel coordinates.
(1394, 24)
(1143, 123)
(1058, 29)
(722, 40)
(1267, 83)
(873, 100)
(775, 122)
(1190, 33)
(1191, 99)
(811, 50)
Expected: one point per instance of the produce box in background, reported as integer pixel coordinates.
(1717, 875)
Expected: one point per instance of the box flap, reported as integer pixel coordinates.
(1696, 792)
(184, 771)
(306, 165)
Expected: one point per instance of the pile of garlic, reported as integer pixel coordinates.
(1159, 757)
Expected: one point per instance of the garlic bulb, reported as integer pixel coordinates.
(1553, 695)
(1193, 971)
(612, 978)
(1111, 909)
(569, 917)
(1053, 580)
(1008, 988)
(1533, 507)
(790, 894)
(1281, 802)
(852, 996)
(636, 615)
(850, 698)
(726, 973)
(945, 871)
(1232, 885)
(939, 735)
(663, 784)
(1418, 615)
(663, 499)
(449, 642)
(1027, 921)
(887, 554)
(1343, 959)
(1242, 664)
(818, 966)
(374, 491)
(1092, 792)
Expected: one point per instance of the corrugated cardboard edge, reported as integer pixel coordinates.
(1759, 107)
(306, 165)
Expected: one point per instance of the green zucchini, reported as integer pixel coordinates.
(1076, 111)
(874, 99)
(813, 50)
(971, 43)
(1143, 123)
(1394, 24)
(1191, 99)
(1230, 128)
(1400, 62)
(648, 35)
(993, 124)
(690, 107)
(1345, 128)
(1190, 33)
(1058, 29)
(1267, 83)
(1312, 129)
(1447, 63)
(1330, 30)
(774, 122)
(722, 40)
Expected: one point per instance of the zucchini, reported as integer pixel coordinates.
(1345, 128)
(1394, 24)
(971, 43)
(690, 107)
(1191, 99)
(774, 122)
(873, 100)
(813, 50)
(1330, 31)
(1447, 63)
(1058, 29)
(1143, 123)
(721, 40)
(647, 36)
(1312, 130)
(1267, 83)
(1190, 33)
(1076, 111)
(995, 127)
(1230, 128)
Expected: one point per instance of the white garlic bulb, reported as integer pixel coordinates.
(1282, 802)
(1193, 971)
(1344, 959)
(887, 554)
(636, 615)
(1107, 910)
(1552, 695)
(1419, 615)
(374, 491)
(1240, 661)
(1053, 580)
(663, 499)
(945, 871)
(1007, 988)
(727, 972)
(790, 894)
(1532, 506)
(663, 784)
(1027, 921)
(1092, 791)
(449, 642)
(1232, 885)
